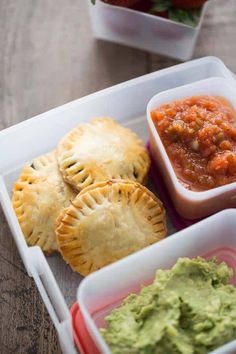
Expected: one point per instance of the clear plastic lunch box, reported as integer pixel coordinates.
(19, 144)
(144, 31)
(191, 204)
(104, 290)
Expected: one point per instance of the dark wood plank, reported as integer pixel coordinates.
(49, 57)
(25, 326)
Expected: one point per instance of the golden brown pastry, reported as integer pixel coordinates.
(102, 150)
(108, 221)
(39, 195)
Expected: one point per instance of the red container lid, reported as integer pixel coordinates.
(82, 338)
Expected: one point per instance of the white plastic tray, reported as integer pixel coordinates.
(19, 144)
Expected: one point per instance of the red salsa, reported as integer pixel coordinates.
(199, 135)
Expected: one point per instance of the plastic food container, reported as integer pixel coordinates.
(191, 204)
(127, 103)
(144, 31)
(104, 290)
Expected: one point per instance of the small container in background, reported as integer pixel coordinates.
(144, 31)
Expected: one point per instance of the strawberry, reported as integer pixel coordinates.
(188, 4)
(163, 14)
(143, 5)
(123, 3)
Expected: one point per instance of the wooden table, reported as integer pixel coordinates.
(48, 57)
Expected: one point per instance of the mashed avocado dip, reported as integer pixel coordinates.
(188, 309)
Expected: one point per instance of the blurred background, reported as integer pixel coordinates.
(49, 57)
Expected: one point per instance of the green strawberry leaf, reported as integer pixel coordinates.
(93, 2)
(161, 5)
(188, 17)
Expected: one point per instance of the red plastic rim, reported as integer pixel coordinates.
(82, 338)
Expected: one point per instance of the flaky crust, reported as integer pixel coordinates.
(102, 150)
(108, 221)
(39, 195)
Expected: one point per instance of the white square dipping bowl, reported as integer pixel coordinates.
(191, 204)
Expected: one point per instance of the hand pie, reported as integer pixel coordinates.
(102, 150)
(39, 196)
(108, 221)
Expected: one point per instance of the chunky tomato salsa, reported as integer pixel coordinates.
(199, 135)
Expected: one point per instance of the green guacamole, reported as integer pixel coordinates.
(188, 309)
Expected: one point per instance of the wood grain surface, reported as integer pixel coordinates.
(48, 57)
